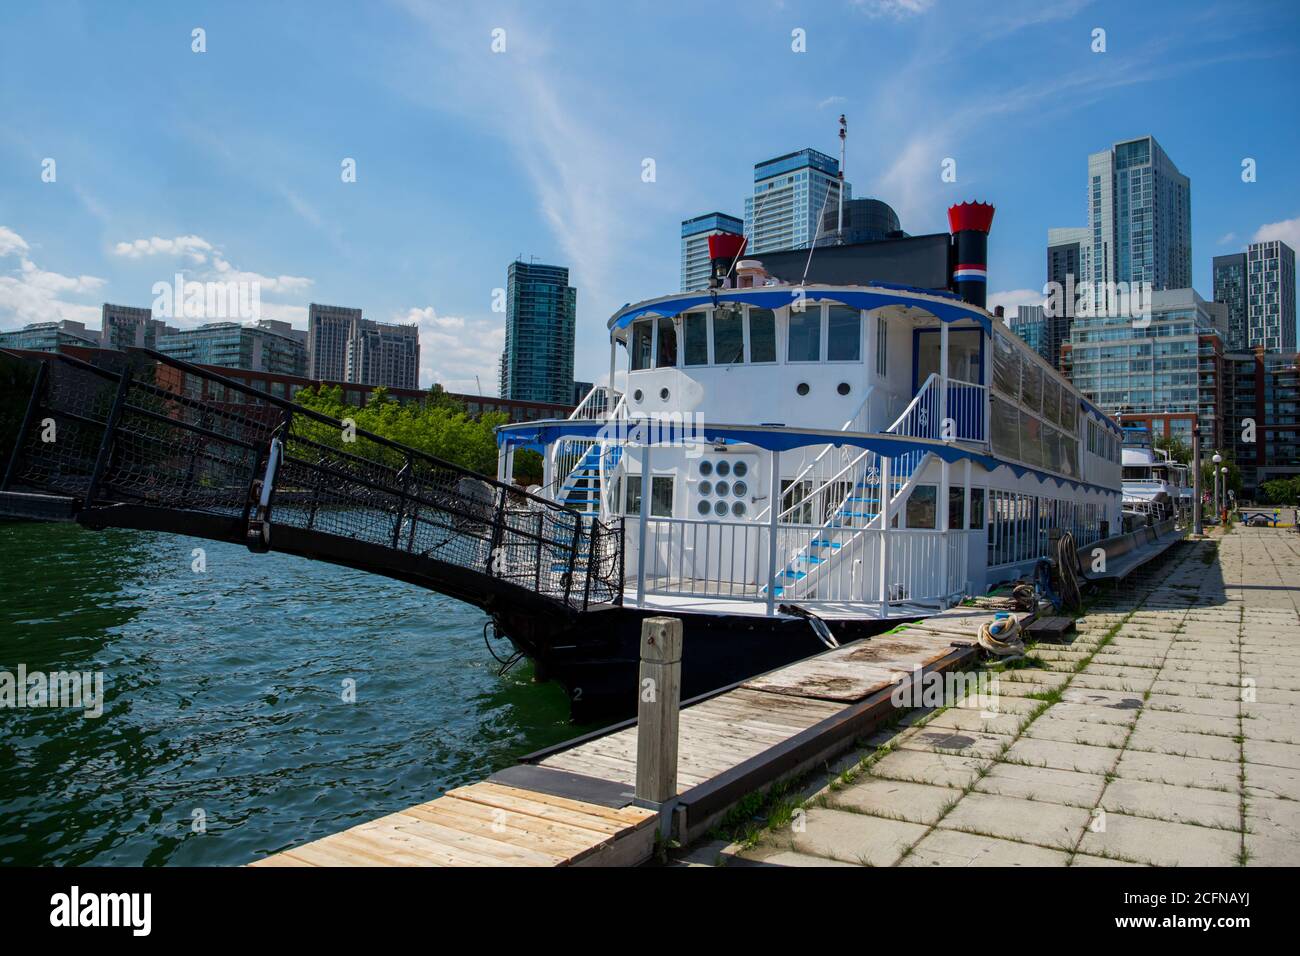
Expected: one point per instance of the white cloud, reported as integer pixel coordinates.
(11, 242)
(1288, 230)
(894, 9)
(32, 294)
(454, 349)
(195, 248)
(1014, 297)
(1227, 238)
(831, 101)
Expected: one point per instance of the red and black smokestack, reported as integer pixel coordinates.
(724, 249)
(969, 223)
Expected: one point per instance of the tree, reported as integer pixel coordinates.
(1178, 449)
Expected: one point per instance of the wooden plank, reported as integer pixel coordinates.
(284, 858)
(458, 841)
(530, 836)
(547, 805)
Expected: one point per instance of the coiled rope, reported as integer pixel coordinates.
(1001, 637)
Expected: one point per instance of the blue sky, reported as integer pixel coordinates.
(227, 163)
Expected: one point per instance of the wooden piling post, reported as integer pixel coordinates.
(658, 697)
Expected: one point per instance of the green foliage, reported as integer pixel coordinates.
(438, 425)
(1178, 449)
(1281, 491)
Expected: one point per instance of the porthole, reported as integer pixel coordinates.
(720, 509)
(842, 388)
(722, 488)
(706, 487)
(637, 395)
(738, 509)
(802, 388)
(739, 489)
(703, 508)
(740, 469)
(724, 468)
(663, 394)
(706, 468)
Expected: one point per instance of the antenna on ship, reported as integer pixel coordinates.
(844, 135)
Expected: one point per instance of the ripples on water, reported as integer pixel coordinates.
(224, 694)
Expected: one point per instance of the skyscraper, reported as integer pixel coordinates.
(1230, 289)
(541, 310)
(231, 345)
(1270, 296)
(328, 329)
(1069, 254)
(1140, 219)
(695, 245)
(1031, 324)
(126, 326)
(381, 354)
(790, 194)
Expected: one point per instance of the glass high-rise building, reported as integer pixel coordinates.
(1230, 281)
(328, 329)
(1069, 258)
(1139, 219)
(1030, 323)
(1270, 296)
(382, 354)
(231, 345)
(1167, 372)
(541, 312)
(695, 245)
(1263, 387)
(50, 336)
(791, 192)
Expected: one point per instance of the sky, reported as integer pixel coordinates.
(484, 132)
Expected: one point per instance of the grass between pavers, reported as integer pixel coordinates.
(761, 815)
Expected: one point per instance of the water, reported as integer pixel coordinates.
(224, 696)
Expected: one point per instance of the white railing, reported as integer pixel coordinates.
(595, 406)
(966, 407)
(687, 557)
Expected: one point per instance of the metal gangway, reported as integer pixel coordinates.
(138, 439)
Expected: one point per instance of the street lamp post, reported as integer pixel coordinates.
(1196, 479)
(1224, 486)
(1216, 459)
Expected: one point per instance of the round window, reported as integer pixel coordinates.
(706, 468)
(724, 468)
(720, 509)
(722, 488)
(738, 509)
(842, 388)
(637, 396)
(802, 388)
(740, 470)
(706, 487)
(739, 489)
(702, 508)
(663, 394)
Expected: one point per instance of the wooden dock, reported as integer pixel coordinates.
(572, 804)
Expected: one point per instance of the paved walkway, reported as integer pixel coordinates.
(1167, 733)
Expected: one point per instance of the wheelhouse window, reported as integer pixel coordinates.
(642, 336)
(922, 507)
(728, 335)
(843, 334)
(695, 330)
(666, 350)
(661, 496)
(762, 335)
(805, 335)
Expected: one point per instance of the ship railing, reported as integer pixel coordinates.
(598, 404)
(736, 561)
(960, 417)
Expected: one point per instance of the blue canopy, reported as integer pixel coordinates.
(538, 435)
(777, 298)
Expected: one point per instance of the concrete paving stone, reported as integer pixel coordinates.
(1187, 654)
(1206, 707)
(1271, 729)
(1226, 678)
(778, 856)
(1200, 691)
(1178, 804)
(896, 799)
(994, 702)
(1272, 754)
(1099, 697)
(1164, 844)
(1184, 744)
(855, 837)
(1095, 678)
(920, 766)
(955, 848)
(1265, 780)
(1052, 825)
(1032, 675)
(1094, 715)
(1179, 771)
(966, 743)
(1273, 832)
(1127, 659)
(1020, 689)
(956, 718)
(1176, 722)
(1062, 756)
(1067, 787)
(1051, 727)
(1083, 859)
